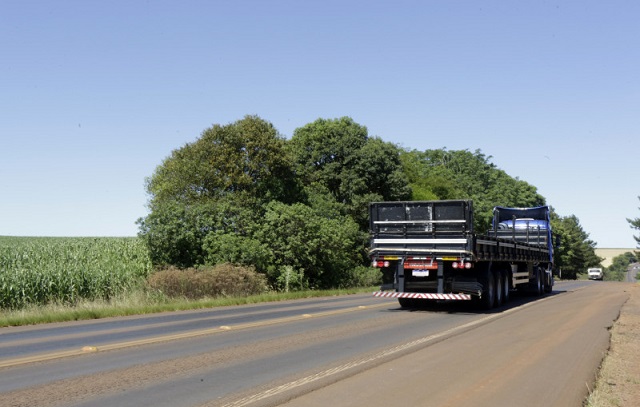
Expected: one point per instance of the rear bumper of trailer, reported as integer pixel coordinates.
(422, 296)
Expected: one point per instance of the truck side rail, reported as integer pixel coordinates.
(492, 248)
(535, 238)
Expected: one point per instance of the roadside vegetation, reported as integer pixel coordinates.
(243, 212)
(296, 209)
(619, 267)
(37, 271)
(618, 379)
(63, 279)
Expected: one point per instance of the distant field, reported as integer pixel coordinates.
(41, 270)
(609, 254)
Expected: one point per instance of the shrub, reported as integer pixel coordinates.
(289, 279)
(236, 249)
(363, 276)
(322, 248)
(222, 280)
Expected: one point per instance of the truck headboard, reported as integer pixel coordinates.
(407, 218)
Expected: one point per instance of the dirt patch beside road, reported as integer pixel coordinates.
(618, 381)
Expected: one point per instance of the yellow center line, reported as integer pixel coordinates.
(111, 330)
(178, 336)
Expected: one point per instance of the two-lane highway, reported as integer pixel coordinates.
(269, 354)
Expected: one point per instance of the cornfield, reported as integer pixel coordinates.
(41, 270)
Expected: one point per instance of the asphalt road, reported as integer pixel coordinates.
(342, 351)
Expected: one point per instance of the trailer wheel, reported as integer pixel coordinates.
(549, 287)
(488, 291)
(539, 290)
(506, 290)
(498, 280)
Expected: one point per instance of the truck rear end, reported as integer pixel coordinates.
(427, 250)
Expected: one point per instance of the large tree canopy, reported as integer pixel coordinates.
(245, 157)
(235, 195)
(296, 209)
(353, 167)
(217, 184)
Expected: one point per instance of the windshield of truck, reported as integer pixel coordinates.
(524, 224)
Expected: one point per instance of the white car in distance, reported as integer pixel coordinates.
(595, 274)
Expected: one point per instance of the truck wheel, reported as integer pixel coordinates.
(497, 278)
(488, 291)
(539, 282)
(506, 290)
(549, 287)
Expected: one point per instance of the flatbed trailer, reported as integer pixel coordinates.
(427, 250)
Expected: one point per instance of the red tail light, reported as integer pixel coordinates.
(461, 265)
(380, 264)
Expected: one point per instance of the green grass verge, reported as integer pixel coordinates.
(140, 304)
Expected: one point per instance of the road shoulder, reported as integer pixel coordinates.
(618, 381)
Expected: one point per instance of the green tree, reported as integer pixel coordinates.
(247, 157)
(576, 252)
(428, 175)
(225, 247)
(218, 184)
(324, 148)
(316, 248)
(353, 167)
(175, 232)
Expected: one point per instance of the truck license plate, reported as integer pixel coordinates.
(420, 273)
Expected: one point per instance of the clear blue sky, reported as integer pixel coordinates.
(95, 94)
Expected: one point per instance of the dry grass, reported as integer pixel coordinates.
(618, 382)
(223, 280)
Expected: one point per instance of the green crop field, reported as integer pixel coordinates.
(42, 270)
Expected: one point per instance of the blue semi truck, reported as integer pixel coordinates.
(427, 250)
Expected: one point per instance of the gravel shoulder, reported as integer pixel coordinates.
(618, 382)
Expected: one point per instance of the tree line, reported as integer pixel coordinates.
(296, 209)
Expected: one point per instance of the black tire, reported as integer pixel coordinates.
(506, 289)
(548, 288)
(498, 282)
(487, 299)
(539, 290)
